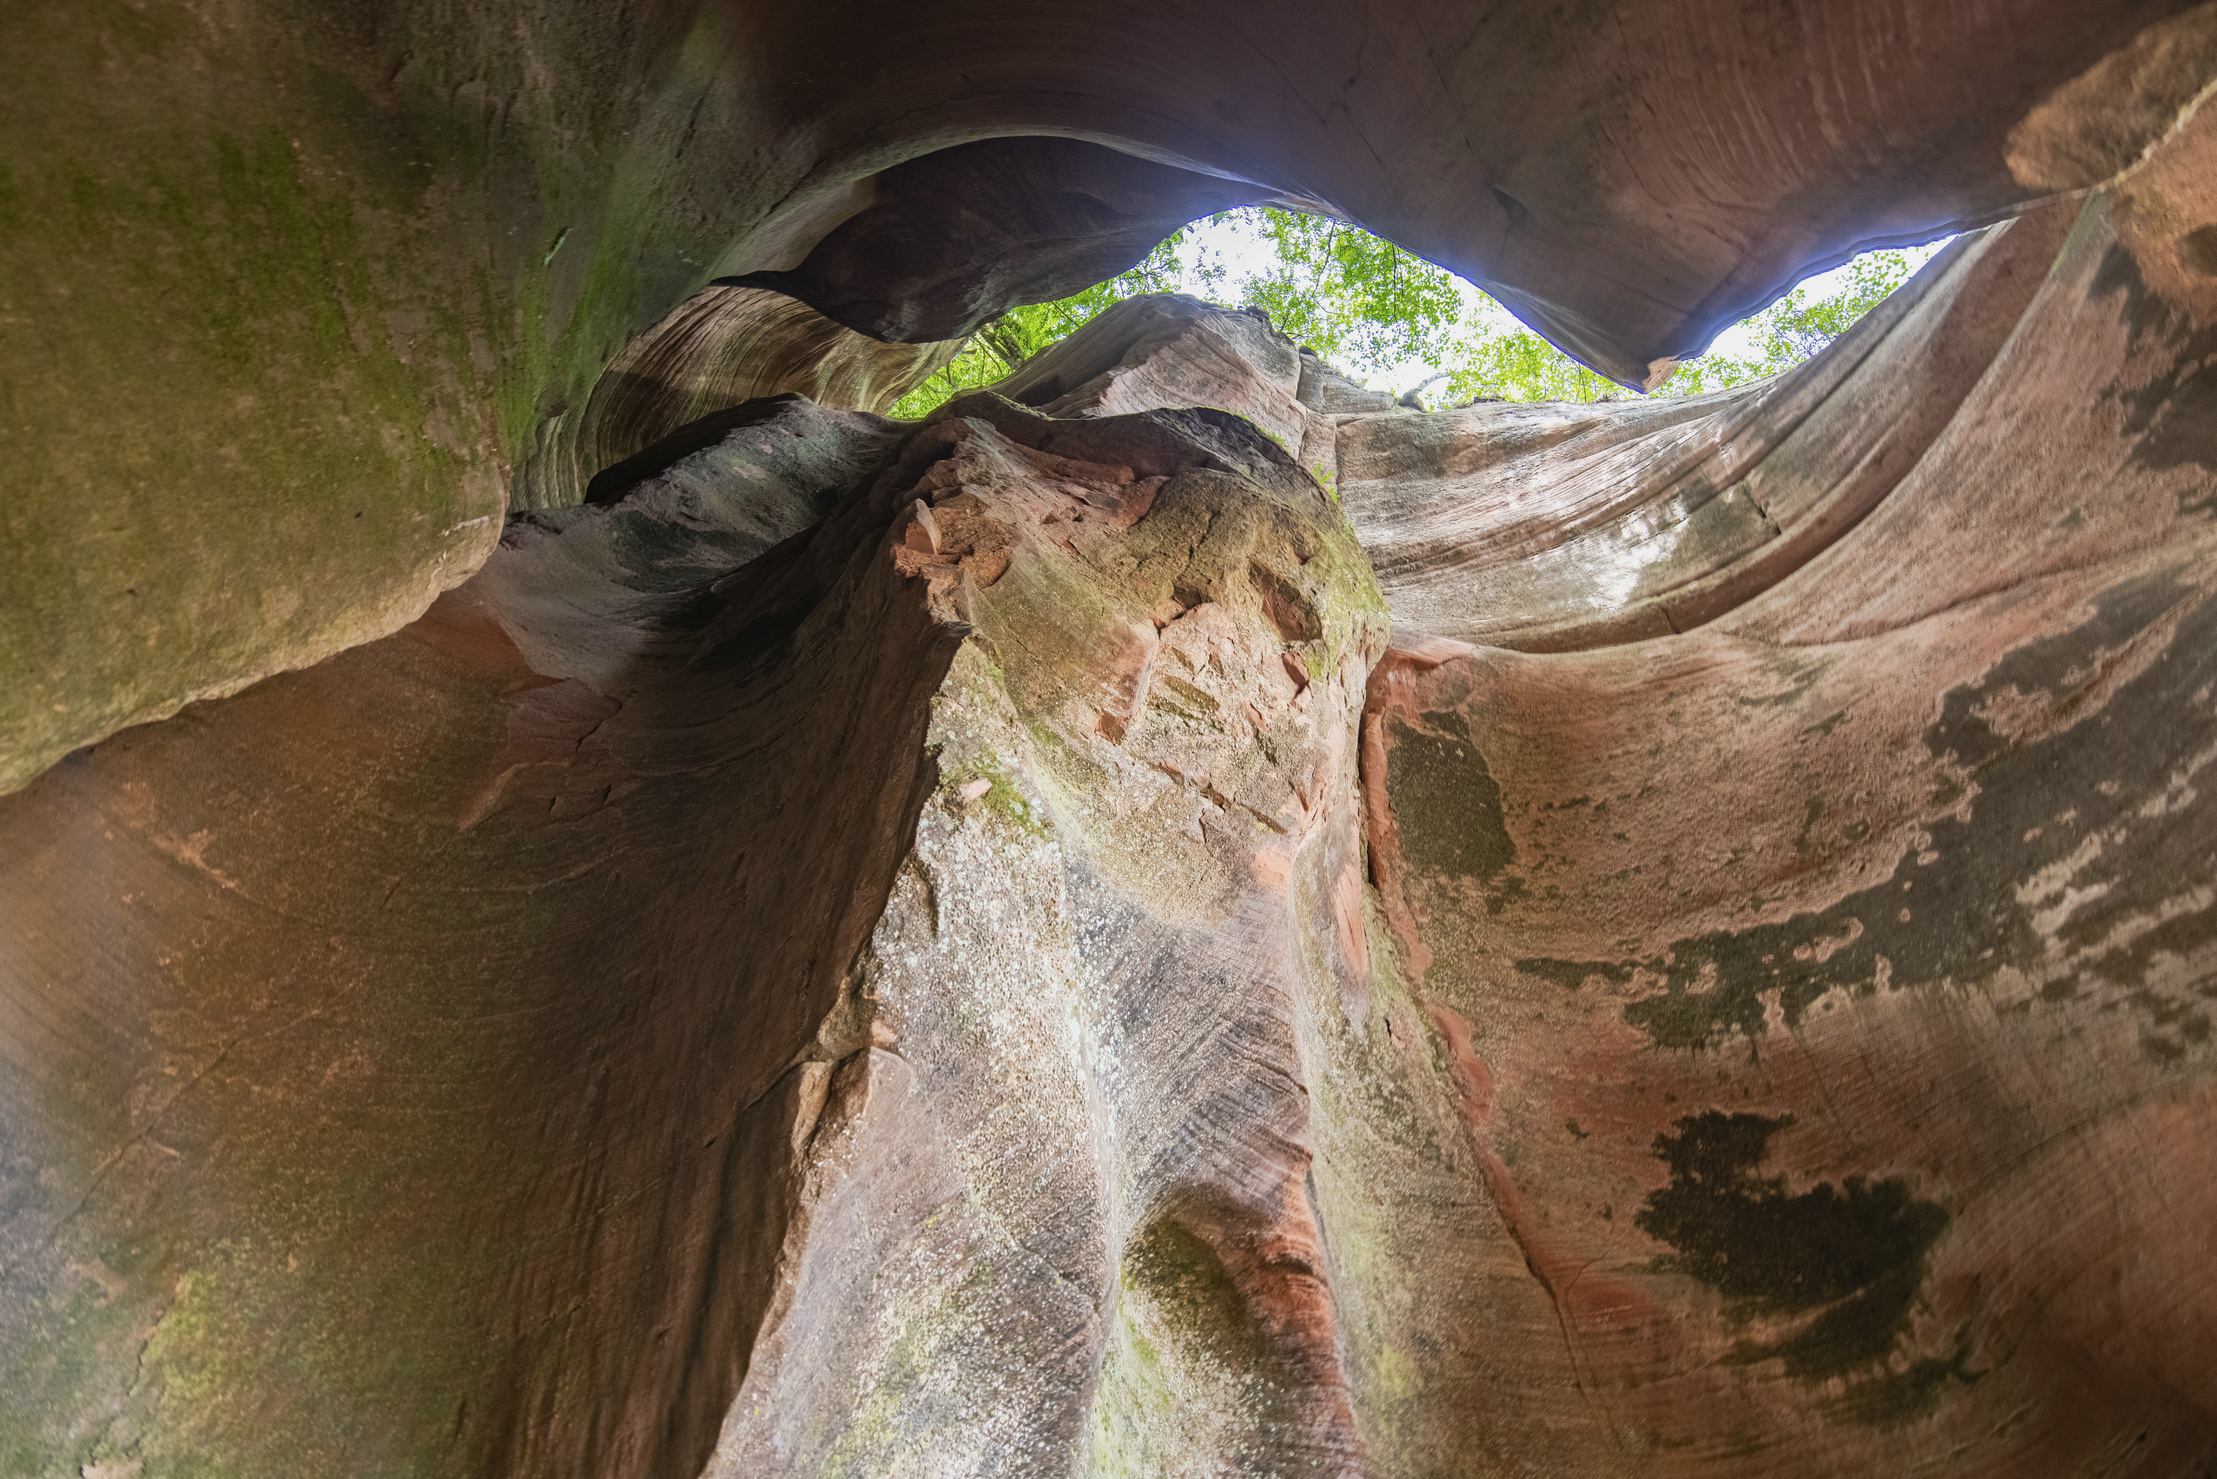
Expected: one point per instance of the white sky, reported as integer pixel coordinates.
(1243, 253)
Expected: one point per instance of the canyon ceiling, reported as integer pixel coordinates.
(577, 900)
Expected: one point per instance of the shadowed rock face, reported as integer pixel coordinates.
(298, 293)
(721, 349)
(1180, 917)
(949, 240)
(485, 1134)
(964, 948)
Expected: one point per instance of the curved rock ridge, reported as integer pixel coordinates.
(951, 239)
(719, 349)
(559, 1113)
(450, 1136)
(1827, 990)
(1631, 192)
(1554, 527)
(349, 271)
(1156, 350)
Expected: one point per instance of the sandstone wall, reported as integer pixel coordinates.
(296, 295)
(1178, 917)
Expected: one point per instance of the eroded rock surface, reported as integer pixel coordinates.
(982, 947)
(1546, 527)
(1826, 991)
(717, 351)
(882, 1125)
(460, 1142)
(297, 297)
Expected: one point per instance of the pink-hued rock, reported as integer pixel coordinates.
(1163, 349)
(1546, 527)
(1049, 1228)
(1016, 945)
(1826, 990)
(560, 1113)
(451, 1130)
(719, 349)
(295, 299)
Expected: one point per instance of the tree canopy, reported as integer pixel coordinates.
(1371, 308)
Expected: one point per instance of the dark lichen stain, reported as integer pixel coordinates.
(2173, 414)
(1574, 974)
(2198, 251)
(2170, 1016)
(1967, 921)
(1851, 1257)
(2181, 935)
(1446, 804)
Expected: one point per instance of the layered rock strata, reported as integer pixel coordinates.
(977, 947)
(295, 296)
(972, 948)
(564, 1116)
(720, 349)
(1825, 992)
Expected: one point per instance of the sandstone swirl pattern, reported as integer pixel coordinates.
(1177, 917)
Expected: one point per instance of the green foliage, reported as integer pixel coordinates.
(1367, 305)
(1798, 325)
(1503, 360)
(1348, 295)
(1022, 332)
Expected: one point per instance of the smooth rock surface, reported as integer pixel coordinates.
(720, 349)
(1826, 991)
(559, 1054)
(1017, 945)
(461, 1142)
(293, 296)
(1545, 527)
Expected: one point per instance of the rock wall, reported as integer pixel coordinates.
(977, 948)
(296, 295)
(563, 1053)
(1824, 989)
(1180, 917)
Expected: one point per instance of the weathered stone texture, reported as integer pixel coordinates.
(453, 1143)
(295, 294)
(1827, 989)
(1178, 917)
(564, 958)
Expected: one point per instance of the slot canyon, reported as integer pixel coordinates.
(578, 900)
